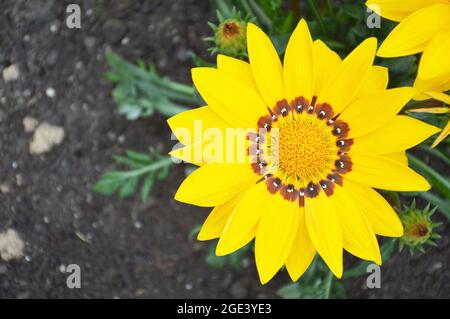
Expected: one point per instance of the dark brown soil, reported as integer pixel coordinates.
(125, 248)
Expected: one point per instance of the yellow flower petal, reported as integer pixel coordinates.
(265, 64)
(230, 97)
(443, 135)
(359, 238)
(435, 59)
(344, 84)
(383, 173)
(439, 96)
(325, 60)
(401, 133)
(214, 184)
(370, 112)
(397, 10)
(302, 251)
(298, 69)
(377, 80)
(432, 110)
(381, 216)
(325, 231)
(217, 219)
(412, 35)
(399, 157)
(276, 232)
(192, 153)
(236, 68)
(183, 124)
(241, 227)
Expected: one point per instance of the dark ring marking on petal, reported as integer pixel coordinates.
(312, 190)
(252, 136)
(335, 178)
(299, 104)
(314, 100)
(265, 122)
(273, 184)
(344, 145)
(282, 108)
(259, 167)
(343, 164)
(256, 169)
(340, 129)
(301, 197)
(327, 186)
(289, 192)
(254, 150)
(324, 111)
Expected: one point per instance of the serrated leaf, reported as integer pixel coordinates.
(109, 183)
(138, 157)
(128, 188)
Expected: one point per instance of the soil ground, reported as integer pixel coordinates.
(125, 248)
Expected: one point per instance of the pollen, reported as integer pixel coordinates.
(303, 149)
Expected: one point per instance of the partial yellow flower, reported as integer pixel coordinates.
(436, 110)
(424, 27)
(334, 129)
(421, 22)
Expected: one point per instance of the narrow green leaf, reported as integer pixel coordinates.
(128, 188)
(147, 186)
(439, 182)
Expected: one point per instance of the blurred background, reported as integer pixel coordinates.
(60, 128)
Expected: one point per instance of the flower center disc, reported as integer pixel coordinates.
(303, 149)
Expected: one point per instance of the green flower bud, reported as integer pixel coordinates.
(418, 227)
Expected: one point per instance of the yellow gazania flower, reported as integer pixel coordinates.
(338, 136)
(424, 27)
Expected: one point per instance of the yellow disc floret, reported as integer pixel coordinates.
(303, 149)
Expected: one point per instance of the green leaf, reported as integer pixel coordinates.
(386, 252)
(439, 182)
(140, 91)
(147, 186)
(109, 183)
(128, 188)
(289, 291)
(151, 166)
(138, 157)
(443, 206)
(215, 261)
(194, 232)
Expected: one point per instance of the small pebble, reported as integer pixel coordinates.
(53, 27)
(11, 246)
(50, 92)
(11, 73)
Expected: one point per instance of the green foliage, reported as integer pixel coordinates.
(440, 183)
(140, 166)
(140, 91)
(387, 249)
(317, 283)
(233, 259)
(269, 14)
